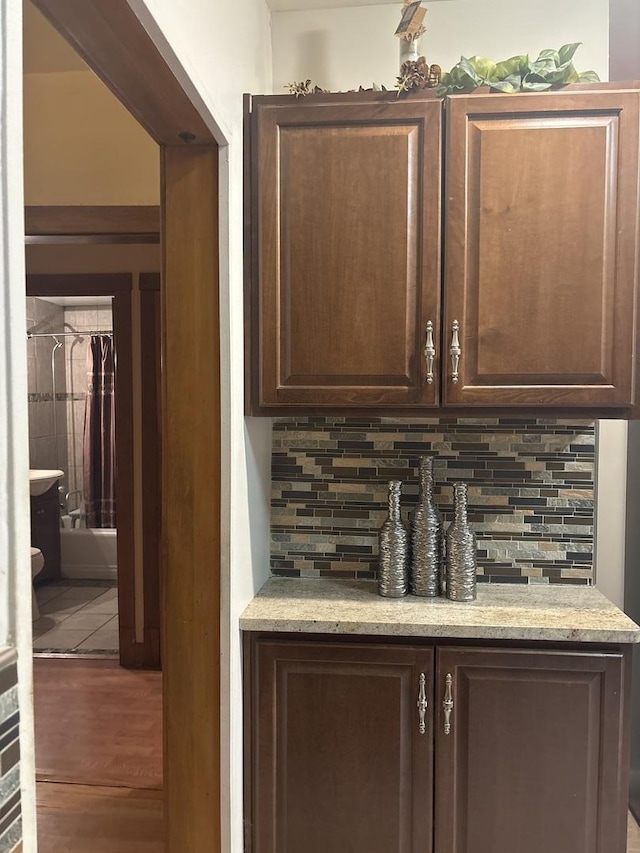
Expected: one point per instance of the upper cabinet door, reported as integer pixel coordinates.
(541, 249)
(346, 200)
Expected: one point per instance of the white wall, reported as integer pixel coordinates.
(15, 573)
(611, 516)
(218, 51)
(343, 48)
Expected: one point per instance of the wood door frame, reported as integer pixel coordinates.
(119, 286)
(138, 568)
(126, 221)
(115, 45)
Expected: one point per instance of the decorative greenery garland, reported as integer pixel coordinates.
(551, 69)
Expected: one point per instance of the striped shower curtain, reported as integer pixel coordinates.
(99, 461)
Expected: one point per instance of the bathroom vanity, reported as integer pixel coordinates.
(425, 726)
(45, 520)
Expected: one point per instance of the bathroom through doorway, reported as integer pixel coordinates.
(104, 560)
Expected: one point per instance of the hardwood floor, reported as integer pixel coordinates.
(97, 724)
(98, 757)
(99, 727)
(80, 818)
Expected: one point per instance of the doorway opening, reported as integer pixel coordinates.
(118, 49)
(106, 443)
(93, 346)
(71, 380)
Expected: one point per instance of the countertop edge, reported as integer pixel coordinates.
(454, 632)
(579, 615)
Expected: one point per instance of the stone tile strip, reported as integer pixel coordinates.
(10, 813)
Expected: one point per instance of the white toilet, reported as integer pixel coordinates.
(37, 564)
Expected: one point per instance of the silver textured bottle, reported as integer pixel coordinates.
(461, 550)
(426, 536)
(393, 567)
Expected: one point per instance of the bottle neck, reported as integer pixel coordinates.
(394, 500)
(426, 479)
(460, 502)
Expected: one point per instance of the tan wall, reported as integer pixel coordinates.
(81, 146)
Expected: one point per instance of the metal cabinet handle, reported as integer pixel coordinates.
(448, 703)
(422, 704)
(456, 352)
(429, 352)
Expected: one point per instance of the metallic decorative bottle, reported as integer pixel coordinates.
(461, 550)
(426, 536)
(393, 569)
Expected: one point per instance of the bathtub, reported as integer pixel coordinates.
(89, 554)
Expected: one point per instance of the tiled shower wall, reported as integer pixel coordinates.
(531, 492)
(71, 385)
(42, 317)
(83, 318)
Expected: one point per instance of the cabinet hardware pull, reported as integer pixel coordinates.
(448, 703)
(422, 704)
(456, 351)
(429, 352)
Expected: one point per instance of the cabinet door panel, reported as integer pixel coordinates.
(535, 759)
(45, 531)
(541, 243)
(348, 259)
(339, 761)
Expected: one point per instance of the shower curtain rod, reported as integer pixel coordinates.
(69, 334)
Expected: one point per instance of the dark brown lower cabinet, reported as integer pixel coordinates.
(340, 763)
(533, 760)
(515, 751)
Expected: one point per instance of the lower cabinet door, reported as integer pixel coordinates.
(530, 752)
(342, 749)
(45, 531)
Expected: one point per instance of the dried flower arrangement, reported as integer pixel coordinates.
(303, 88)
(418, 75)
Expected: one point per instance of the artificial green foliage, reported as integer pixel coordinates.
(552, 68)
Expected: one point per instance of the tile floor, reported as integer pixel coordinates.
(76, 616)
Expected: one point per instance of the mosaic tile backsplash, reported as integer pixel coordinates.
(531, 492)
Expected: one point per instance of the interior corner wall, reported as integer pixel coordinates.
(15, 574)
(344, 48)
(631, 544)
(218, 51)
(613, 440)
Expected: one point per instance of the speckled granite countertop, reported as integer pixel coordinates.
(501, 612)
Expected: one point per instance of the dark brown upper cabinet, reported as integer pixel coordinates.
(347, 254)
(541, 248)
